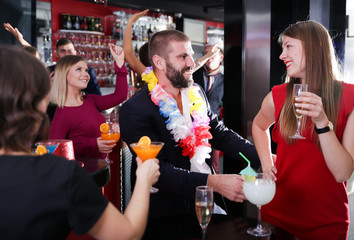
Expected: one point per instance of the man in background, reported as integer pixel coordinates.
(210, 77)
(66, 47)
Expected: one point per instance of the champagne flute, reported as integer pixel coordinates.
(259, 190)
(204, 202)
(146, 152)
(297, 90)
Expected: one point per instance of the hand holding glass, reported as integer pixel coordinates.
(112, 134)
(204, 202)
(146, 152)
(259, 190)
(297, 90)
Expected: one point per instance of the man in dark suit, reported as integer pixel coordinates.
(184, 160)
(211, 79)
(210, 76)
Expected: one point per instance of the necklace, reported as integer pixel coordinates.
(191, 134)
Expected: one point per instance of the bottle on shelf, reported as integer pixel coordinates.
(150, 33)
(77, 23)
(92, 24)
(69, 23)
(84, 25)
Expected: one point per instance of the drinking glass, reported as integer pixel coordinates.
(146, 152)
(204, 202)
(112, 134)
(297, 90)
(49, 145)
(259, 190)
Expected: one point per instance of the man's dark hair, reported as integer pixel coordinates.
(63, 41)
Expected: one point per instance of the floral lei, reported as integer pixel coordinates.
(191, 136)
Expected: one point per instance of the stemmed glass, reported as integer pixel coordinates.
(259, 190)
(50, 146)
(146, 152)
(204, 202)
(297, 90)
(112, 134)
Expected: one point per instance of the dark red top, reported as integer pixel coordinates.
(308, 202)
(81, 124)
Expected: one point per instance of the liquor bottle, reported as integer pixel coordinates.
(96, 25)
(84, 24)
(150, 33)
(136, 50)
(92, 24)
(117, 33)
(69, 23)
(77, 23)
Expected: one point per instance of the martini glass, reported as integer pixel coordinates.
(259, 190)
(146, 152)
(50, 146)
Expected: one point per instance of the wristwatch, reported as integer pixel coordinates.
(327, 128)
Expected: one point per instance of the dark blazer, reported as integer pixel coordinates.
(138, 117)
(215, 93)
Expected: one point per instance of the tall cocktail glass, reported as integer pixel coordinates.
(259, 190)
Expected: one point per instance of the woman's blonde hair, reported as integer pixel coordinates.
(323, 74)
(59, 86)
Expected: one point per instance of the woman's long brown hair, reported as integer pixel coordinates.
(322, 75)
(24, 83)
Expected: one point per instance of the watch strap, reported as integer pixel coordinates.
(327, 128)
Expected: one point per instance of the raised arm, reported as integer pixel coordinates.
(201, 61)
(130, 57)
(17, 34)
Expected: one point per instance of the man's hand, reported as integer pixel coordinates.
(228, 185)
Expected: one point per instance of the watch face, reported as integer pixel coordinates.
(330, 125)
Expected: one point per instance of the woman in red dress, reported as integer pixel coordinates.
(311, 200)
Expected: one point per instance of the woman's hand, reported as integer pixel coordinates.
(105, 146)
(309, 104)
(148, 170)
(138, 15)
(270, 172)
(117, 53)
(17, 34)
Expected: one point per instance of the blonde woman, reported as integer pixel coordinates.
(78, 117)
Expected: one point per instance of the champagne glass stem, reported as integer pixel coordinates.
(204, 230)
(298, 120)
(259, 224)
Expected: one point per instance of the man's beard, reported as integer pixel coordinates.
(176, 77)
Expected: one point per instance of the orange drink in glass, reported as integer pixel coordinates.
(110, 131)
(145, 149)
(111, 136)
(146, 152)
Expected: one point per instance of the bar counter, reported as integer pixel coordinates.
(221, 227)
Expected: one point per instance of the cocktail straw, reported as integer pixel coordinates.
(248, 171)
(249, 163)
